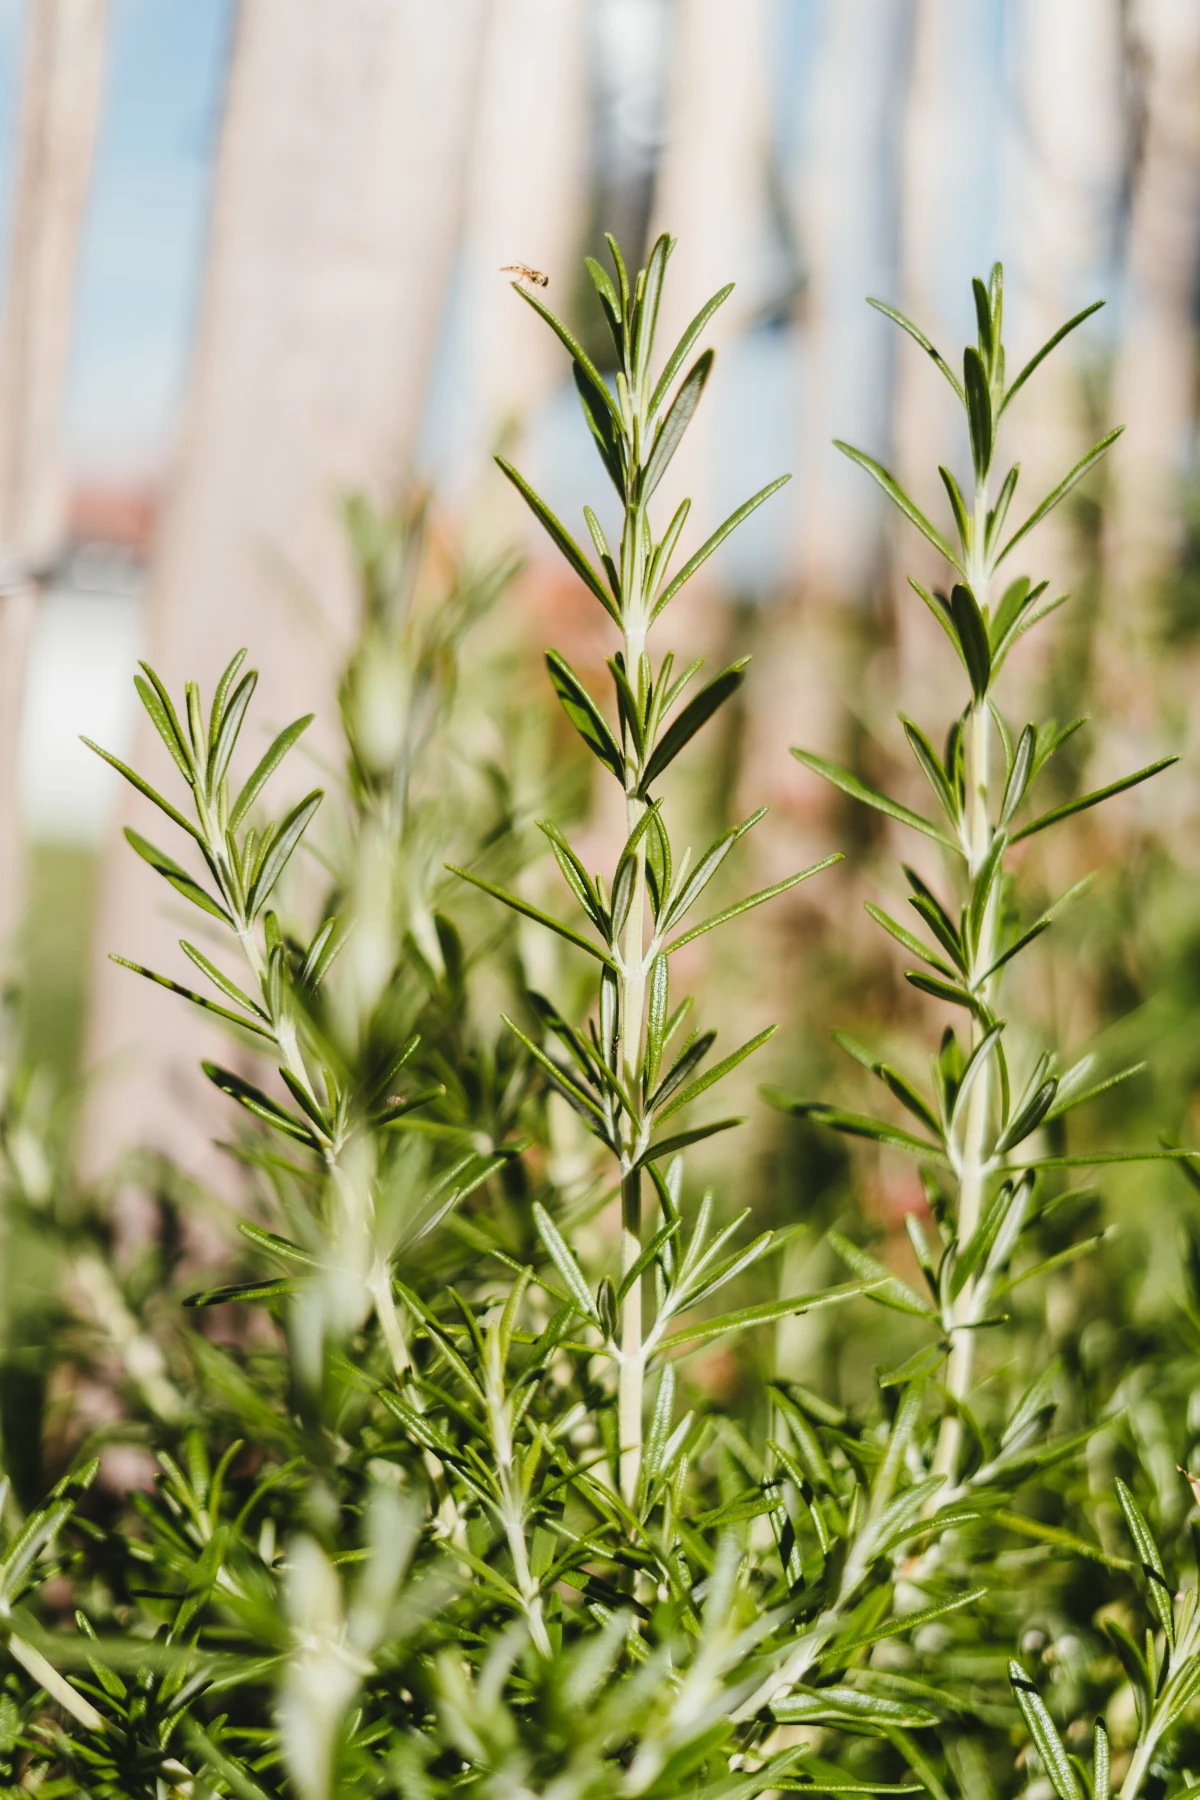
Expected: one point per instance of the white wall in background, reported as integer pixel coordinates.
(79, 680)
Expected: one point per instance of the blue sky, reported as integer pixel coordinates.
(146, 222)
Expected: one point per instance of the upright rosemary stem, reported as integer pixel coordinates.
(500, 1422)
(629, 1041)
(973, 1172)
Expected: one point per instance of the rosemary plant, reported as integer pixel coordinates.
(619, 1075)
(978, 1146)
(470, 1524)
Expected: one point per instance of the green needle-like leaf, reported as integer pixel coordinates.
(562, 537)
(900, 500)
(223, 1012)
(857, 790)
(1047, 1742)
(585, 715)
(694, 715)
(1081, 805)
(532, 912)
(143, 787)
(1061, 491)
(266, 768)
(856, 1125)
(714, 543)
(766, 1314)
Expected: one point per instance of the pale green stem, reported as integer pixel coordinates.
(514, 1523)
(1139, 1765)
(631, 1376)
(379, 1286)
(973, 1171)
(632, 1367)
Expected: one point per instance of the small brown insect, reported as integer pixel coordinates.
(523, 274)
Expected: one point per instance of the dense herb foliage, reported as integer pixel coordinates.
(449, 1504)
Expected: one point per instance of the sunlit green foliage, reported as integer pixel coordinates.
(452, 1506)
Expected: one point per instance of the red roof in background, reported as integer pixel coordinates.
(114, 515)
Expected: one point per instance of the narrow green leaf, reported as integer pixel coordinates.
(1062, 1540)
(1101, 1762)
(532, 912)
(1041, 355)
(1061, 491)
(939, 606)
(660, 561)
(603, 428)
(277, 1246)
(908, 939)
(742, 906)
(647, 319)
(1019, 775)
(900, 1623)
(1158, 1588)
(681, 1140)
(714, 543)
(962, 518)
(886, 1288)
(717, 1073)
(180, 880)
(258, 1103)
(575, 875)
(999, 513)
(421, 1429)
(570, 343)
(695, 714)
(917, 1761)
(564, 1261)
(682, 349)
(910, 1097)
(143, 787)
(850, 784)
(847, 1705)
(231, 725)
(1013, 602)
(918, 337)
(693, 885)
(972, 635)
(222, 1012)
(1046, 1740)
(562, 537)
(693, 1053)
(1116, 1157)
(768, 1313)
(220, 980)
(585, 1102)
(652, 1251)
(280, 853)
(949, 991)
(266, 768)
(1064, 1103)
(979, 1244)
(222, 694)
(1094, 799)
(157, 702)
(979, 410)
(899, 499)
(247, 1290)
(656, 1020)
(585, 715)
(856, 1125)
(931, 768)
(670, 433)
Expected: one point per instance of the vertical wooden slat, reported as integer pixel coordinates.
(59, 106)
(336, 211)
